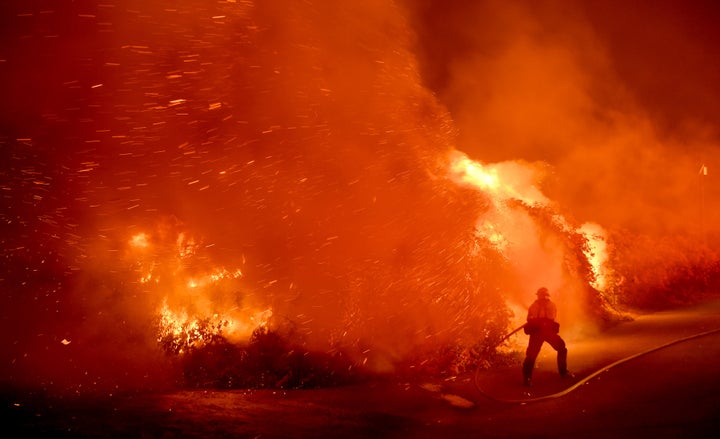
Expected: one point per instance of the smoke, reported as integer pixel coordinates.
(608, 95)
(298, 155)
(292, 143)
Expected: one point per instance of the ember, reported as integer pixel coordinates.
(306, 190)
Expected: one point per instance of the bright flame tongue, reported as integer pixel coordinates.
(503, 181)
(179, 331)
(596, 253)
(200, 307)
(315, 178)
(194, 309)
(511, 181)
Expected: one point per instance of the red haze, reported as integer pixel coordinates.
(297, 158)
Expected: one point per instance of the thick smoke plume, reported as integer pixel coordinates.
(608, 94)
(295, 164)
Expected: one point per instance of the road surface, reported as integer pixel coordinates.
(673, 392)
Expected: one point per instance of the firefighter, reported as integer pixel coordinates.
(542, 327)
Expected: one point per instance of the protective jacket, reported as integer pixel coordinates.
(541, 317)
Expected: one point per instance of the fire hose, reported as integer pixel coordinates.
(587, 378)
(509, 334)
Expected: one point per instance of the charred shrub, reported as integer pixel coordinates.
(269, 360)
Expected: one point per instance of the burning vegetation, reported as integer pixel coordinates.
(284, 194)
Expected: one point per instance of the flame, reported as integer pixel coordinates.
(197, 305)
(183, 330)
(186, 246)
(507, 181)
(596, 253)
(146, 278)
(215, 276)
(139, 241)
(504, 181)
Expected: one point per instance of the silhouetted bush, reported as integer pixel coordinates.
(269, 360)
(659, 273)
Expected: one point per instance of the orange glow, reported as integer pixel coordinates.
(190, 330)
(512, 230)
(139, 241)
(596, 253)
(212, 277)
(368, 179)
(195, 304)
(501, 182)
(475, 174)
(504, 181)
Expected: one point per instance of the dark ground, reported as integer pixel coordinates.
(669, 393)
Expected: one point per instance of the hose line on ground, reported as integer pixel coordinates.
(587, 378)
